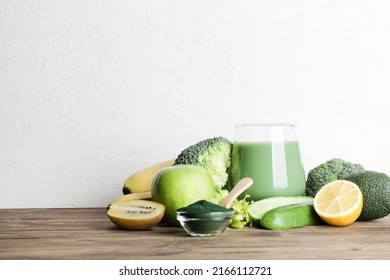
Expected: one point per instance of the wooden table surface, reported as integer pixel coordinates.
(76, 234)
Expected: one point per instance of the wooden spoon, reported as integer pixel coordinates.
(239, 188)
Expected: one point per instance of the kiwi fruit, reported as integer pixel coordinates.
(136, 214)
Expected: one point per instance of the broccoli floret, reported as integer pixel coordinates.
(213, 154)
(327, 172)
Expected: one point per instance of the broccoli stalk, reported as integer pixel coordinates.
(327, 172)
(213, 154)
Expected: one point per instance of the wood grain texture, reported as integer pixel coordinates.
(88, 234)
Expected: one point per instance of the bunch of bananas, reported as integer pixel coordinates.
(139, 184)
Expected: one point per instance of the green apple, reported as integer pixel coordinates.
(180, 185)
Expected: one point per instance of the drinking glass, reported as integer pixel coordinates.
(269, 154)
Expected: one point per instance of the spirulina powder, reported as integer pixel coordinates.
(203, 207)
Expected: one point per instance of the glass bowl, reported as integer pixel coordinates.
(205, 224)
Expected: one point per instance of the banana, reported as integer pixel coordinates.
(141, 181)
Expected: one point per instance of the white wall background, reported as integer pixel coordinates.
(91, 91)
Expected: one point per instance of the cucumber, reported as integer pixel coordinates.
(260, 207)
(291, 216)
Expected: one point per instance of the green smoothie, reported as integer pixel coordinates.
(275, 167)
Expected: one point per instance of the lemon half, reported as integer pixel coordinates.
(339, 203)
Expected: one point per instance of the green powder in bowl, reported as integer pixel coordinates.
(204, 218)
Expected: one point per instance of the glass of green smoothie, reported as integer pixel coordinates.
(269, 154)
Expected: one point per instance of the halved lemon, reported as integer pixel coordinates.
(339, 203)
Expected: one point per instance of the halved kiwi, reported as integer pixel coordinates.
(136, 214)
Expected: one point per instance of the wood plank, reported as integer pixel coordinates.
(89, 234)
